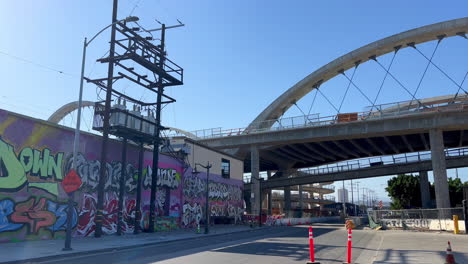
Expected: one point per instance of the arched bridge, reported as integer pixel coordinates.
(432, 124)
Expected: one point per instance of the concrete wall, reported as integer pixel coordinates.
(423, 224)
(35, 156)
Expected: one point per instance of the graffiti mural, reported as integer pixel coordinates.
(30, 167)
(166, 177)
(34, 214)
(406, 223)
(35, 157)
(192, 214)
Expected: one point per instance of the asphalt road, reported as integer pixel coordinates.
(272, 245)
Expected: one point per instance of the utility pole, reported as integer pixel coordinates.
(131, 46)
(344, 199)
(352, 196)
(105, 134)
(154, 177)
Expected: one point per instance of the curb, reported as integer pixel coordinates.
(90, 252)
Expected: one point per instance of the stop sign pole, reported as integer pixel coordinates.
(70, 184)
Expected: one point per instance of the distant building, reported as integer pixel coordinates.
(343, 195)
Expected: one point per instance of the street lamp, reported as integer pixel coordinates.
(78, 124)
(207, 167)
(80, 97)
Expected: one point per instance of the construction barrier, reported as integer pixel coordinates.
(311, 247)
(350, 237)
(418, 219)
(349, 224)
(273, 220)
(449, 259)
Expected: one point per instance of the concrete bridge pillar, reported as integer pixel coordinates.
(439, 168)
(301, 201)
(270, 202)
(255, 179)
(287, 201)
(270, 198)
(425, 191)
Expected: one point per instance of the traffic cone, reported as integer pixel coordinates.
(449, 259)
(289, 222)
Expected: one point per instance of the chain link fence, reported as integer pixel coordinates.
(419, 219)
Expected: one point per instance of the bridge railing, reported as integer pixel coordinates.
(315, 120)
(369, 163)
(380, 161)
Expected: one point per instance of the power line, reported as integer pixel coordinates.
(37, 64)
(134, 7)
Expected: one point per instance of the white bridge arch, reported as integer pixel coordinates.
(363, 54)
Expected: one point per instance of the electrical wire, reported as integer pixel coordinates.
(134, 7)
(37, 64)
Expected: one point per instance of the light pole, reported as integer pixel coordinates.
(207, 215)
(80, 96)
(344, 200)
(77, 129)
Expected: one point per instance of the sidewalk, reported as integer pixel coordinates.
(22, 252)
(396, 246)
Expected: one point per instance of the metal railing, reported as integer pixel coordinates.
(379, 161)
(315, 120)
(369, 163)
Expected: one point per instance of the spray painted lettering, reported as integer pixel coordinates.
(166, 177)
(15, 168)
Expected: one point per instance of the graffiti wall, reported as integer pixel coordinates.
(36, 156)
(224, 198)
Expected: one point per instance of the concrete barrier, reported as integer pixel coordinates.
(424, 224)
(280, 221)
(358, 220)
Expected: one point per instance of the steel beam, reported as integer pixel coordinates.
(424, 141)
(345, 149)
(462, 134)
(407, 143)
(291, 155)
(392, 146)
(375, 146)
(360, 148)
(314, 150)
(314, 158)
(332, 151)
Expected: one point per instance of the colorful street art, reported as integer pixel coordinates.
(35, 156)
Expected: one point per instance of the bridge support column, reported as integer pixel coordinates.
(425, 192)
(270, 198)
(301, 201)
(287, 201)
(439, 168)
(255, 176)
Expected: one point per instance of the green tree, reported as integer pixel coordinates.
(404, 191)
(456, 191)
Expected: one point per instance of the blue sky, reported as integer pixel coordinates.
(238, 56)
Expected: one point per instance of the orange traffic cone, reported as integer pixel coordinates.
(449, 259)
(289, 222)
